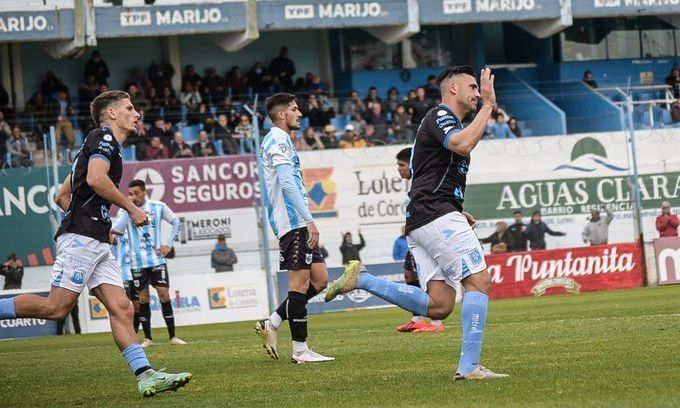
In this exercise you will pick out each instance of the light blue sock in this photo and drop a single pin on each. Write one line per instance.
(7, 308)
(136, 358)
(407, 297)
(473, 317)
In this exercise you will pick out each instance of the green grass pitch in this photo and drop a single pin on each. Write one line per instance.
(613, 349)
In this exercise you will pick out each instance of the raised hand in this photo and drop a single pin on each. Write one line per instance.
(486, 89)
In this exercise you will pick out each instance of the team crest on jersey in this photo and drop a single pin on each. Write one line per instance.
(463, 168)
(108, 138)
(442, 112)
(283, 148)
(475, 257)
(78, 278)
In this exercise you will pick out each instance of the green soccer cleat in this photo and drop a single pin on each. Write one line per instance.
(151, 382)
(347, 282)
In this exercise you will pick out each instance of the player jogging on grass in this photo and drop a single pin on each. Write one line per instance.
(293, 225)
(443, 244)
(147, 257)
(83, 252)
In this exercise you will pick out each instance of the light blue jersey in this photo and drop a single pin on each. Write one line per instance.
(122, 254)
(285, 195)
(145, 241)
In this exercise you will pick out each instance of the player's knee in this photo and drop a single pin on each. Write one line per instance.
(321, 283)
(479, 282)
(58, 312)
(121, 309)
(164, 297)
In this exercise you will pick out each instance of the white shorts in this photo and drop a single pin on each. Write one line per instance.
(84, 261)
(446, 249)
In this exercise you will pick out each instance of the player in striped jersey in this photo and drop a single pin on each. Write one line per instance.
(121, 250)
(294, 226)
(147, 257)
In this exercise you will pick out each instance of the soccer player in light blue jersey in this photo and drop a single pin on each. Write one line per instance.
(147, 257)
(121, 251)
(292, 223)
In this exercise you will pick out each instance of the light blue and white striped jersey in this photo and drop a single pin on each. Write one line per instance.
(122, 254)
(146, 240)
(277, 149)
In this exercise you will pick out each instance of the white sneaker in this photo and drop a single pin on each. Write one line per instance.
(479, 373)
(309, 356)
(147, 343)
(176, 341)
(269, 337)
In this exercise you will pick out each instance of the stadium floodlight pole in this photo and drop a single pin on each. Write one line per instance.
(271, 283)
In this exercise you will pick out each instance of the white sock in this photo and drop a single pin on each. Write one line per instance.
(416, 319)
(275, 320)
(299, 346)
(436, 322)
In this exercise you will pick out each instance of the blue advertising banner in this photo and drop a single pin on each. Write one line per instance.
(280, 15)
(609, 8)
(358, 299)
(469, 11)
(19, 328)
(38, 25)
(193, 18)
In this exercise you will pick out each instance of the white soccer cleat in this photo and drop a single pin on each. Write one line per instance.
(480, 373)
(269, 337)
(147, 343)
(309, 356)
(176, 341)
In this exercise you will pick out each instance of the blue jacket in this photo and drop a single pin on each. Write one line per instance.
(400, 249)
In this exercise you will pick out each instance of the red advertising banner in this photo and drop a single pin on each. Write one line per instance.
(215, 183)
(568, 270)
(667, 255)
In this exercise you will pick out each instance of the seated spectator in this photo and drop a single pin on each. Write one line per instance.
(237, 82)
(203, 147)
(51, 85)
(223, 258)
(514, 127)
(354, 104)
(191, 76)
(5, 132)
(392, 102)
(223, 132)
(170, 105)
(97, 67)
(142, 81)
(243, 133)
(259, 80)
(179, 149)
(317, 86)
(588, 79)
(419, 106)
(156, 150)
(432, 92)
(59, 111)
(351, 139)
(141, 104)
(673, 80)
(314, 111)
(161, 128)
(87, 91)
(675, 112)
(210, 84)
(36, 108)
(160, 75)
(500, 240)
(357, 120)
(328, 138)
(377, 118)
(18, 149)
(228, 110)
(402, 125)
(372, 97)
(282, 70)
(370, 136)
(13, 273)
(190, 98)
(205, 118)
(400, 247)
(309, 141)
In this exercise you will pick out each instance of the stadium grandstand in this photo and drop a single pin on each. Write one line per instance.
(574, 183)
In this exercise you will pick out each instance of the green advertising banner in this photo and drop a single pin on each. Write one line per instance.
(27, 215)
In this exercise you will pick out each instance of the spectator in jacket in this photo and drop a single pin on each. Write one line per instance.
(518, 234)
(329, 139)
(675, 112)
(13, 273)
(5, 136)
(596, 232)
(97, 67)
(673, 80)
(667, 223)
(309, 141)
(51, 85)
(500, 239)
(588, 79)
(400, 248)
(351, 139)
(536, 231)
(223, 258)
(354, 104)
(350, 250)
(17, 147)
(223, 132)
(179, 149)
(156, 150)
(203, 147)
(60, 110)
(282, 69)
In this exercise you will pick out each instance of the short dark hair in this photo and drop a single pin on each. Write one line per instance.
(537, 212)
(517, 212)
(137, 183)
(276, 101)
(404, 154)
(448, 72)
(103, 101)
(12, 257)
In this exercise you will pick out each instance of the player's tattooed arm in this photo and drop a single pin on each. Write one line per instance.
(63, 198)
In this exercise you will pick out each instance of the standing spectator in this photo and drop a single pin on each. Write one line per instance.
(5, 129)
(13, 273)
(156, 150)
(282, 69)
(51, 85)
(498, 126)
(75, 319)
(60, 110)
(223, 258)
(675, 112)
(354, 104)
(536, 231)
(518, 234)
(419, 106)
(432, 92)
(190, 98)
(596, 232)
(170, 105)
(673, 80)
(237, 82)
(87, 91)
(203, 147)
(351, 139)
(328, 138)
(309, 141)
(500, 239)
(244, 132)
(142, 82)
(667, 223)
(17, 147)
(179, 149)
(191, 76)
(258, 79)
(141, 104)
(160, 75)
(37, 108)
(97, 67)
(223, 132)
(400, 247)
(588, 79)
(350, 250)
(514, 127)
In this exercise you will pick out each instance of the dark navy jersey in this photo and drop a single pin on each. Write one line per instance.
(88, 214)
(438, 174)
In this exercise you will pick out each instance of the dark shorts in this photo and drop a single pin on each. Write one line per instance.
(295, 253)
(409, 262)
(130, 290)
(156, 276)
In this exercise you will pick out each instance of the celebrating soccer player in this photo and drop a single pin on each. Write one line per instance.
(294, 226)
(445, 247)
(83, 252)
(147, 257)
